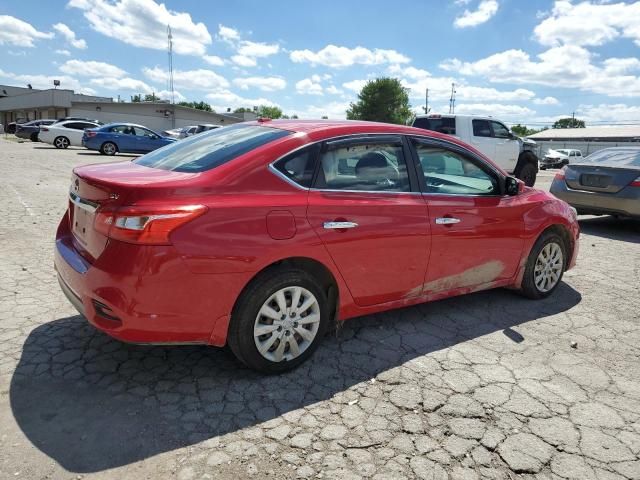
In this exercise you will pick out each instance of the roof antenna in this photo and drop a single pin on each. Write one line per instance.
(170, 50)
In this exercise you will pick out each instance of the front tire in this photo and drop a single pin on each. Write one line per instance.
(545, 266)
(528, 174)
(108, 148)
(278, 321)
(61, 142)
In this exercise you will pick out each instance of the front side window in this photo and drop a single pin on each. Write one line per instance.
(209, 150)
(481, 128)
(366, 166)
(123, 129)
(299, 166)
(450, 173)
(143, 132)
(499, 130)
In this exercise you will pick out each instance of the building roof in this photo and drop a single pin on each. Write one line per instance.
(589, 133)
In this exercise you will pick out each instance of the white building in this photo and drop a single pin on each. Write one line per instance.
(23, 104)
(587, 140)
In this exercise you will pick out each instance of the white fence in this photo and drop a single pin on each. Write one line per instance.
(585, 147)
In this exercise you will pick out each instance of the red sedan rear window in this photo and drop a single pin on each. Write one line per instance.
(207, 150)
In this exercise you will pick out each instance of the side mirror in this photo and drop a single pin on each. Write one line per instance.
(512, 186)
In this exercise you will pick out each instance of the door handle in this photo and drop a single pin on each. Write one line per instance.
(339, 225)
(447, 221)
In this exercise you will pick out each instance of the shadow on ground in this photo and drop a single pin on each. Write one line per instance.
(92, 403)
(622, 229)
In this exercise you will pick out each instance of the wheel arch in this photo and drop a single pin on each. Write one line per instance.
(112, 142)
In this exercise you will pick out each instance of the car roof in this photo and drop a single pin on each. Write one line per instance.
(435, 116)
(317, 129)
(124, 124)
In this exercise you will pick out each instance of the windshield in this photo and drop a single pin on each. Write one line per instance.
(615, 157)
(208, 150)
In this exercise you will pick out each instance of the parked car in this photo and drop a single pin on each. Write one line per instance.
(30, 130)
(205, 127)
(560, 157)
(181, 132)
(124, 138)
(260, 235)
(11, 126)
(66, 133)
(606, 182)
(492, 138)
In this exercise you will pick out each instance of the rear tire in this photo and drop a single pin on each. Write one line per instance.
(528, 174)
(296, 320)
(545, 266)
(108, 148)
(34, 137)
(61, 142)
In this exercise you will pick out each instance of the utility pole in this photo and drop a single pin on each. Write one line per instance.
(452, 100)
(170, 49)
(426, 101)
(573, 119)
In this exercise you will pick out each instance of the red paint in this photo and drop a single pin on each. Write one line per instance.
(184, 289)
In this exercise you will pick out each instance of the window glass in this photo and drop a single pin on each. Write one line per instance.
(443, 124)
(481, 128)
(208, 150)
(365, 166)
(451, 173)
(299, 166)
(143, 132)
(615, 157)
(499, 130)
(120, 129)
(72, 125)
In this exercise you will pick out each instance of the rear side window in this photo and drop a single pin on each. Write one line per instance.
(442, 125)
(208, 150)
(299, 166)
(481, 128)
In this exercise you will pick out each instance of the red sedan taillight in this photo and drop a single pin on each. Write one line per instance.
(90, 134)
(44, 129)
(144, 225)
(635, 183)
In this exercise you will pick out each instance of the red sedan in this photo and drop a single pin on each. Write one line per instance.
(262, 234)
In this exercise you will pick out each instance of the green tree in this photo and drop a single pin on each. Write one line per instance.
(243, 110)
(569, 122)
(324, 117)
(136, 98)
(265, 111)
(382, 100)
(197, 105)
(523, 130)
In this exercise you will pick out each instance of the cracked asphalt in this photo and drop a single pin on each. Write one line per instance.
(489, 385)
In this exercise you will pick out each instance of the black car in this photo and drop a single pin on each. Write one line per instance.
(30, 130)
(11, 127)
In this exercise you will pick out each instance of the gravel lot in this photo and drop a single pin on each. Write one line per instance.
(482, 386)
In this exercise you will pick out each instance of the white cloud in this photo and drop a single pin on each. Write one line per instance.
(567, 66)
(308, 86)
(486, 9)
(91, 69)
(618, 112)
(266, 84)
(14, 31)
(213, 60)
(70, 36)
(339, 57)
(228, 34)
(46, 81)
(333, 90)
(200, 79)
(223, 99)
(143, 23)
(249, 52)
(66, 53)
(546, 101)
(166, 95)
(122, 83)
(589, 24)
(495, 109)
(355, 85)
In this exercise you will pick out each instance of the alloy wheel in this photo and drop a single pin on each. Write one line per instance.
(287, 324)
(548, 268)
(62, 142)
(109, 149)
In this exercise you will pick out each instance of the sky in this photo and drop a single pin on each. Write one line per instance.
(528, 62)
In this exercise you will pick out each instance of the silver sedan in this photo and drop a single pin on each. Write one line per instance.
(606, 182)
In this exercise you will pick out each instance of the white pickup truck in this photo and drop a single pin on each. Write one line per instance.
(492, 138)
